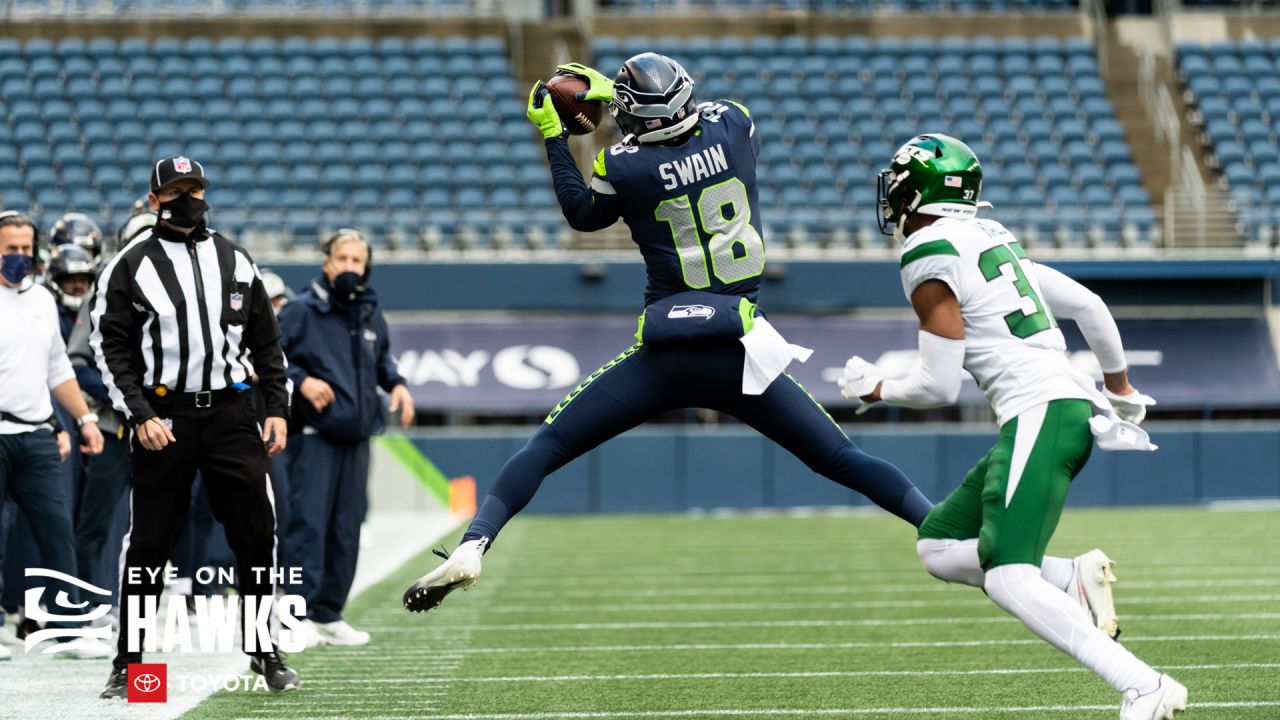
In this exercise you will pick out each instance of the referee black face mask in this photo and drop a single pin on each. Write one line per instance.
(186, 210)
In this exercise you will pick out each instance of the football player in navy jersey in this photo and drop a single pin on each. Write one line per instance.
(684, 181)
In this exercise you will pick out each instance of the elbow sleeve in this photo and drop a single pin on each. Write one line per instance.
(936, 382)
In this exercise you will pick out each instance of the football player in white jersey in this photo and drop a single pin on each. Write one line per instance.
(986, 308)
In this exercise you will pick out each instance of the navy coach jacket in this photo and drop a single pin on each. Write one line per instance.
(348, 347)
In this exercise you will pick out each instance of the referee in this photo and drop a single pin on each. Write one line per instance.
(180, 323)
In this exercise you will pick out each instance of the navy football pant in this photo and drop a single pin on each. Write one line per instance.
(644, 381)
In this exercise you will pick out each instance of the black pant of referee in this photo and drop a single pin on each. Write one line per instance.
(180, 323)
(216, 433)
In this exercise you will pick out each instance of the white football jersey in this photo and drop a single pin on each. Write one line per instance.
(1012, 344)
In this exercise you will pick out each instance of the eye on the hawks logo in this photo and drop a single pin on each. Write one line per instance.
(182, 165)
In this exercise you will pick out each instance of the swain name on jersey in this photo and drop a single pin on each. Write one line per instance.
(698, 166)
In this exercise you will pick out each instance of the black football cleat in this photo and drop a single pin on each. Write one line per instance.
(271, 665)
(117, 684)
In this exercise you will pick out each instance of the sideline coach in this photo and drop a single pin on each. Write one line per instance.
(180, 323)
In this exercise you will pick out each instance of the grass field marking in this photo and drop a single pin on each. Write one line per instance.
(929, 585)
(715, 647)
(798, 712)
(517, 583)
(724, 624)
(776, 675)
(976, 601)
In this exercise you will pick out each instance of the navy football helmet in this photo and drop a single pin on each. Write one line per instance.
(68, 260)
(653, 98)
(77, 229)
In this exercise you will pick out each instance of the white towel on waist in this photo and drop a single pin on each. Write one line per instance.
(768, 354)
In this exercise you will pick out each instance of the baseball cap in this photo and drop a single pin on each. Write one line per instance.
(173, 169)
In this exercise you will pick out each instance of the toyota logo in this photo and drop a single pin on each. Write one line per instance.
(146, 683)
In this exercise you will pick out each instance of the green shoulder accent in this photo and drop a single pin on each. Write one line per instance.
(598, 169)
(640, 327)
(936, 247)
(747, 311)
(1018, 252)
(740, 106)
(418, 465)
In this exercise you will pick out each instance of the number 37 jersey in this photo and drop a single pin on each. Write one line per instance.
(1012, 344)
(693, 208)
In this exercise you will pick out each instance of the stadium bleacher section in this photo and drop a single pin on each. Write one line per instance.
(1233, 91)
(831, 111)
(245, 8)
(305, 135)
(299, 135)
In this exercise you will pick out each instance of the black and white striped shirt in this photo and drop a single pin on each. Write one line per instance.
(186, 313)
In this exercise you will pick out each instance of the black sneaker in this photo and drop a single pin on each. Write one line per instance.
(27, 626)
(117, 684)
(271, 665)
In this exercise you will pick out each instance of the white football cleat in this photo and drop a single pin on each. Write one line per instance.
(459, 570)
(1091, 587)
(341, 633)
(1167, 700)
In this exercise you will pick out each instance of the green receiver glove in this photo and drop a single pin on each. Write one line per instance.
(601, 87)
(543, 114)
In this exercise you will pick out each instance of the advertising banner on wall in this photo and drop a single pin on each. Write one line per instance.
(528, 364)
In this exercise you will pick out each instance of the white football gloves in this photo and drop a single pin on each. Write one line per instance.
(1131, 407)
(859, 378)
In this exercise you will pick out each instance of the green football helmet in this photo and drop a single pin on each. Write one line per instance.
(932, 174)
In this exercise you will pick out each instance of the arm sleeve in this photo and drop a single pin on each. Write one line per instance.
(1069, 299)
(113, 323)
(290, 320)
(262, 337)
(936, 382)
(388, 374)
(586, 209)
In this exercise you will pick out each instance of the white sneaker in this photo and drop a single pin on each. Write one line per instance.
(1091, 587)
(5, 653)
(8, 639)
(83, 649)
(459, 570)
(1166, 701)
(340, 633)
(312, 635)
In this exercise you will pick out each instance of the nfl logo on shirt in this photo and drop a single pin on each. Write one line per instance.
(182, 165)
(236, 301)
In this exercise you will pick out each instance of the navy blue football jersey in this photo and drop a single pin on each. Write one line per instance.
(693, 208)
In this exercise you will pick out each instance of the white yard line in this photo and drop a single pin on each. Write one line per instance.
(785, 712)
(929, 586)
(791, 647)
(826, 623)
(977, 601)
(774, 675)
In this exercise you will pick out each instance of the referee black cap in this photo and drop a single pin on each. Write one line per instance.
(173, 169)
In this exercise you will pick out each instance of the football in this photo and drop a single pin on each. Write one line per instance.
(580, 116)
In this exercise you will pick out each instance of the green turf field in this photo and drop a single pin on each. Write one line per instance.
(763, 617)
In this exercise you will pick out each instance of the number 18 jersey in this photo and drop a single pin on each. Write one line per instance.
(1012, 344)
(693, 207)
